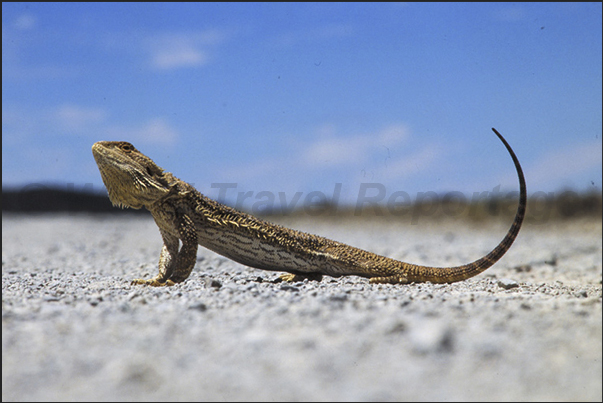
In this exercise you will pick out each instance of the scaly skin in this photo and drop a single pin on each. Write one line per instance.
(183, 214)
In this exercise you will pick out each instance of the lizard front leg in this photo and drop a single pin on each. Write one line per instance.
(175, 266)
(167, 261)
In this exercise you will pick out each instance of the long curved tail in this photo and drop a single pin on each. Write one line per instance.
(452, 274)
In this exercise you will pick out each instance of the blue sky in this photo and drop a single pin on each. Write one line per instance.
(293, 98)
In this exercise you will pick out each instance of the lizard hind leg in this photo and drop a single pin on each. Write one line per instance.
(294, 278)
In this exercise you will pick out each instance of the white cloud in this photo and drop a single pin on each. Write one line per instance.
(25, 22)
(179, 55)
(336, 150)
(418, 161)
(20, 124)
(178, 50)
(393, 134)
(23, 124)
(157, 130)
(154, 131)
(328, 152)
(74, 117)
(559, 167)
(18, 61)
(332, 149)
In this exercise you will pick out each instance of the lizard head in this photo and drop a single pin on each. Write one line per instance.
(131, 178)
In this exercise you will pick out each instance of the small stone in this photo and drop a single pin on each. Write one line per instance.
(198, 306)
(338, 297)
(133, 295)
(288, 287)
(507, 283)
(581, 294)
(399, 327)
(524, 268)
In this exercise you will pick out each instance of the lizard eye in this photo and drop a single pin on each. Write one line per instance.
(126, 147)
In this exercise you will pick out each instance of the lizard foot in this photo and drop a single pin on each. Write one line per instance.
(152, 282)
(293, 278)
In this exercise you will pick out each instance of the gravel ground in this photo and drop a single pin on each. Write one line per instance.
(73, 328)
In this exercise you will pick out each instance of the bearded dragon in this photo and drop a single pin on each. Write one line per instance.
(185, 215)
